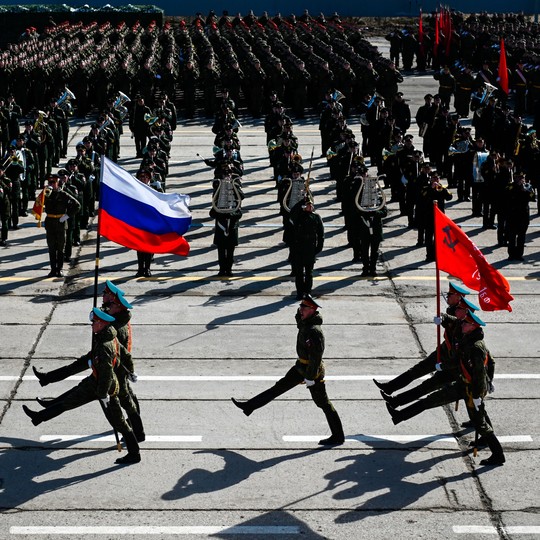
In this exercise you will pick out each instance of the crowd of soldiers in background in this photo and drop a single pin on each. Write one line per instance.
(269, 64)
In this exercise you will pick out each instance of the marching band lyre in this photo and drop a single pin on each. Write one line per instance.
(370, 196)
(227, 197)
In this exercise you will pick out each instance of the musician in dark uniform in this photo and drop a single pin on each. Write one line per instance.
(425, 217)
(308, 240)
(138, 125)
(227, 213)
(518, 196)
(308, 369)
(465, 84)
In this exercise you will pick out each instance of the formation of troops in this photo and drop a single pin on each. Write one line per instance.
(149, 78)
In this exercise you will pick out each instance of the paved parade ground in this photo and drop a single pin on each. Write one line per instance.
(208, 471)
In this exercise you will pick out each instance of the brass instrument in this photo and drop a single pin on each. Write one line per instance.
(119, 106)
(370, 196)
(105, 125)
(227, 197)
(12, 158)
(150, 120)
(38, 124)
(64, 101)
(479, 101)
(460, 147)
(478, 161)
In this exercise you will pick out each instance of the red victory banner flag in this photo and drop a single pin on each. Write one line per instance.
(503, 70)
(456, 254)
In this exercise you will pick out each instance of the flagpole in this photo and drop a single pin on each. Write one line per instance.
(98, 241)
(96, 276)
(438, 284)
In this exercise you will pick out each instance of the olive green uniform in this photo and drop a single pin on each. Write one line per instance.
(309, 366)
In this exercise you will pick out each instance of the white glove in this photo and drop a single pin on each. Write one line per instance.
(437, 320)
(477, 403)
(64, 218)
(309, 383)
(491, 387)
(438, 366)
(133, 377)
(105, 401)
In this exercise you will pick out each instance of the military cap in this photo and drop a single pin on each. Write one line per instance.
(28, 123)
(144, 172)
(72, 162)
(87, 139)
(63, 172)
(52, 178)
(471, 318)
(425, 164)
(428, 96)
(400, 94)
(121, 299)
(109, 285)
(80, 144)
(467, 304)
(408, 137)
(456, 287)
(296, 167)
(308, 301)
(98, 314)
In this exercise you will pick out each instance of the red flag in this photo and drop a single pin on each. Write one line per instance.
(421, 34)
(503, 70)
(437, 36)
(448, 28)
(456, 254)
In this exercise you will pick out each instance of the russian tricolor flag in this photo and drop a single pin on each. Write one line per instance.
(136, 216)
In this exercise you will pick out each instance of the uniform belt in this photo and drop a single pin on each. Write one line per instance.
(536, 86)
(463, 88)
(446, 86)
(303, 361)
(56, 216)
(520, 84)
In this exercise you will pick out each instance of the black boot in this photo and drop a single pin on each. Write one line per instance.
(43, 378)
(407, 413)
(338, 437)
(401, 381)
(133, 455)
(53, 376)
(389, 399)
(50, 402)
(243, 405)
(44, 414)
(137, 426)
(497, 455)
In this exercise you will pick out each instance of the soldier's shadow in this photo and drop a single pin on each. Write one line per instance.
(25, 467)
(236, 469)
(394, 476)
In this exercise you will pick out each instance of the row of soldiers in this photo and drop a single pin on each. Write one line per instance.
(461, 368)
(112, 370)
(250, 60)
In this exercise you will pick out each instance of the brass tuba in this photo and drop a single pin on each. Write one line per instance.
(227, 197)
(370, 196)
(64, 101)
(119, 104)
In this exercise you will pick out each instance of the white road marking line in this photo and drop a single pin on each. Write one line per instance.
(222, 378)
(157, 530)
(110, 438)
(488, 529)
(402, 438)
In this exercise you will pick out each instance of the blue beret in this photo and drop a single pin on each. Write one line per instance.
(102, 315)
(122, 300)
(468, 304)
(474, 319)
(458, 288)
(113, 288)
